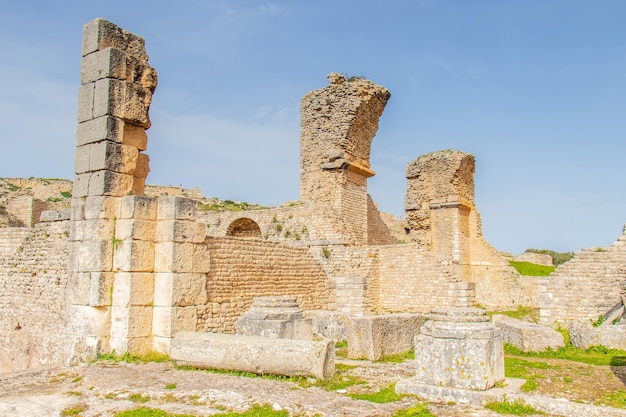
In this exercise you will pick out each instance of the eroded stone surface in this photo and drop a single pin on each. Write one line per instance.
(526, 336)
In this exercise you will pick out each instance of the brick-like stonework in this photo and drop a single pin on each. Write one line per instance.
(585, 287)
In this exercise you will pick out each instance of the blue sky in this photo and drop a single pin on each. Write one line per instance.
(535, 89)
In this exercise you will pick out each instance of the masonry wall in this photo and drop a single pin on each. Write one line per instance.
(585, 287)
(33, 280)
(242, 269)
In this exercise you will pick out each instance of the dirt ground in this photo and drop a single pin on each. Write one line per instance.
(104, 388)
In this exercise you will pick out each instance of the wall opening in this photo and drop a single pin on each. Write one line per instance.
(244, 227)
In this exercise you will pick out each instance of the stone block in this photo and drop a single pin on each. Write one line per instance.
(142, 167)
(134, 256)
(78, 285)
(127, 101)
(131, 321)
(275, 317)
(101, 289)
(102, 128)
(138, 207)
(584, 335)
(86, 95)
(329, 324)
(94, 229)
(95, 255)
(460, 348)
(139, 186)
(180, 231)
(255, 354)
(133, 289)
(80, 186)
(105, 63)
(126, 229)
(48, 216)
(112, 156)
(101, 207)
(134, 345)
(201, 263)
(374, 337)
(135, 136)
(528, 337)
(109, 183)
(177, 208)
(78, 208)
(99, 34)
(173, 257)
(167, 321)
(179, 290)
(81, 159)
(87, 321)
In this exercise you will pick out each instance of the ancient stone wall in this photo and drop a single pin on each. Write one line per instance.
(242, 269)
(33, 279)
(585, 287)
(11, 239)
(26, 210)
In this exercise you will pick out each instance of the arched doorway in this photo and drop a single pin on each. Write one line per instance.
(244, 227)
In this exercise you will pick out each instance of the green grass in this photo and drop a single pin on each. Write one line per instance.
(74, 410)
(148, 412)
(130, 358)
(530, 269)
(170, 386)
(616, 399)
(256, 411)
(520, 368)
(516, 408)
(596, 355)
(418, 410)
(385, 395)
(138, 398)
(520, 313)
(399, 357)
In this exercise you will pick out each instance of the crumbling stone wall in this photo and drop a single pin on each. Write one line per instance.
(242, 269)
(33, 279)
(586, 286)
(338, 123)
(26, 210)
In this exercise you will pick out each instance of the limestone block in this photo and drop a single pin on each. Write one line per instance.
(86, 95)
(528, 337)
(275, 317)
(138, 207)
(177, 208)
(134, 229)
(131, 321)
(329, 324)
(112, 156)
(105, 63)
(167, 321)
(128, 101)
(100, 34)
(102, 128)
(584, 335)
(100, 289)
(95, 255)
(139, 185)
(459, 347)
(48, 216)
(201, 263)
(173, 257)
(134, 256)
(180, 231)
(179, 290)
(161, 344)
(78, 285)
(142, 166)
(93, 229)
(134, 345)
(109, 183)
(78, 208)
(255, 354)
(81, 159)
(374, 337)
(87, 321)
(101, 207)
(133, 289)
(80, 186)
(135, 136)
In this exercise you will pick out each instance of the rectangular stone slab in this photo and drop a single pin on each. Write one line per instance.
(254, 354)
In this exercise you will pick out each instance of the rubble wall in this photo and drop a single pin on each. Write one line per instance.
(585, 287)
(33, 281)
(242, 269)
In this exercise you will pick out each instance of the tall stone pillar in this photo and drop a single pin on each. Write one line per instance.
(105, 246)
(338, 123)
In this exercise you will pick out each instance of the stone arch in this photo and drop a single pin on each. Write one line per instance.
(244, 227)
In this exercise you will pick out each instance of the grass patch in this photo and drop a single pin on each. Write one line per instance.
(596, 355)
(399, 357)
(74, 410)
(148, 412)
(520, 368)
(385, 395)
(129, 358)
(533, 270)
(520, 313)
(616, 399)
(170, 386)
(418, 410)
(138, 398)
(256, 411)
(516, 408)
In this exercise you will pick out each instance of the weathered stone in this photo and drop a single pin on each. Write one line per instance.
(102, 128)
(127, 101)
(585, 335)
(180, 231)
(177, 208)
(167, 321)
(459, 348)
(180, 290)
(99, 34)
(105, 63)
(86, 95)
(100, 289)
(275, 317)
(535, 258)
(55, 215)
(255, 354)
(329, 324)
(528, 337)
(134, 256)
(138, 207)
(135, 229)
(374, 337)
(173, 257)
(133, 289)
(109, 183)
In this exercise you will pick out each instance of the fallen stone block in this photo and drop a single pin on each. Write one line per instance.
(526, 336)
(254, 354)
(55, 215)
(276, 317)
(329, 324)
(584, 335)
(374, 337)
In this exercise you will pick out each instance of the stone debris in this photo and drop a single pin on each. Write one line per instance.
(526, 336)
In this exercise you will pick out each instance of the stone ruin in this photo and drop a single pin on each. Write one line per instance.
(128, 272)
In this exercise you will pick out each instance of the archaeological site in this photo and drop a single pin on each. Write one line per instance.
(120, 266)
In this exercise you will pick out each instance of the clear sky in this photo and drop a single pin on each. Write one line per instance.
(535, 89)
